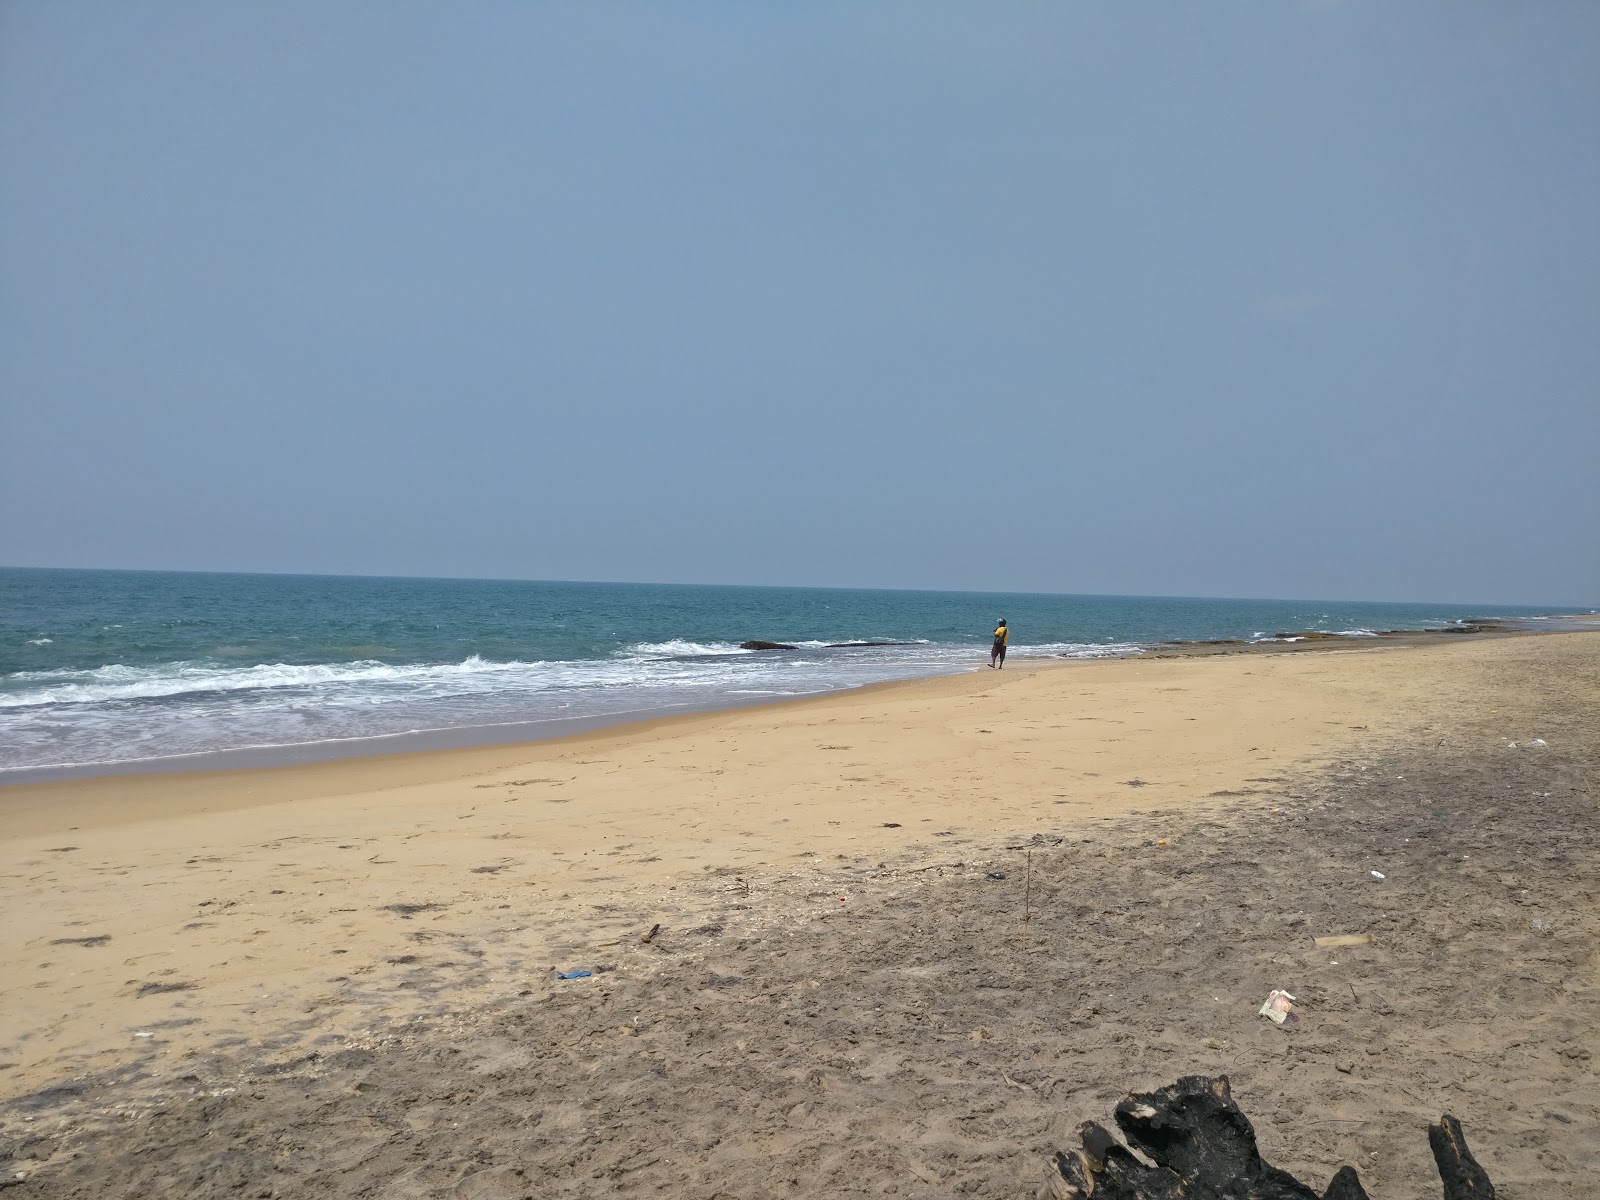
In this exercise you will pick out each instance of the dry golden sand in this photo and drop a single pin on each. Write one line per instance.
(216, 910)
(909, 938)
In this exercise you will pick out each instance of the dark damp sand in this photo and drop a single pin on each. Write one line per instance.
(913, 1025)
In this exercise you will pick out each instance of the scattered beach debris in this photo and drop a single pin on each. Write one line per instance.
(1201, 1144)
(573, 974)
(98, 939)
(1525, 745)
(406, 911)
(997, 874)
(1279, 1009)
(651, 936)
(143, 1033)
(1379, 875)
(161, 989)
(1543, 925)
(1343, 939)
(1136, 783)
(891, 824)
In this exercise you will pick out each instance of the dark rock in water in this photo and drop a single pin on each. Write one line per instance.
(757, 644)
(1204, 1148)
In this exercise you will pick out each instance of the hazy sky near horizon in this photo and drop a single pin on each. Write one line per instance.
(1240, 299)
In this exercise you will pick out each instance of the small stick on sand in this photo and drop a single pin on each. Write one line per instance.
(1027, 900)
(649, 937)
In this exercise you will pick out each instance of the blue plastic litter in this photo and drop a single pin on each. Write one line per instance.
(573, 974)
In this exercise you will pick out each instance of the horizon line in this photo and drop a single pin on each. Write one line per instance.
(1554, 609)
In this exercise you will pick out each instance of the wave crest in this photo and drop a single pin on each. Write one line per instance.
(188, 678)
(681, 648)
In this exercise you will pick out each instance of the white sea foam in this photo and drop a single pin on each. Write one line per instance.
(127, 714)
(40, 641)
(184, 678)
(1078, 650)
(680, 648)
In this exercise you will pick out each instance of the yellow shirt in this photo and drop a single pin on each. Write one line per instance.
(1002, 635)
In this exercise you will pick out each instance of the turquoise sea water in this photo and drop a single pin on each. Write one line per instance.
(103, 667)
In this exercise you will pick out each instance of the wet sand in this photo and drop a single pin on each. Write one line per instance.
(339, 979)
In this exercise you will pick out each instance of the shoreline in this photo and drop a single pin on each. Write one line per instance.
(509, 734)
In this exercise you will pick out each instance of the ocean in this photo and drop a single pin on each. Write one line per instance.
(164, 670)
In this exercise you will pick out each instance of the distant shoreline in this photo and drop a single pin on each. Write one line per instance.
(520, 733)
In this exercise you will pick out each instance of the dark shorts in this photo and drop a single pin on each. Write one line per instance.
(998, 648)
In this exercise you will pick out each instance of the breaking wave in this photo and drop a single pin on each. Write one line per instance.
(183, 678)
(680, 648)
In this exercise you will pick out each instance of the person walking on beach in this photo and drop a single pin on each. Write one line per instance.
(997, 652)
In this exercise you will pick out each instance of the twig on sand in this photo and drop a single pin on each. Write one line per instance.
(650, 937)
(637, 1163)
(1027, 900)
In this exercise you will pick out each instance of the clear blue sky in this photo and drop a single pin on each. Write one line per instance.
(1266, 299)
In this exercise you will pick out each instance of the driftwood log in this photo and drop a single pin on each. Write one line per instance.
(1204, 1148)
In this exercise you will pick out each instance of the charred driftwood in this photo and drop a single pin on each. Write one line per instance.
(1463, 1178)
(1204, 1148)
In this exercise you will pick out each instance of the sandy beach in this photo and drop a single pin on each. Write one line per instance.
(907, 937)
